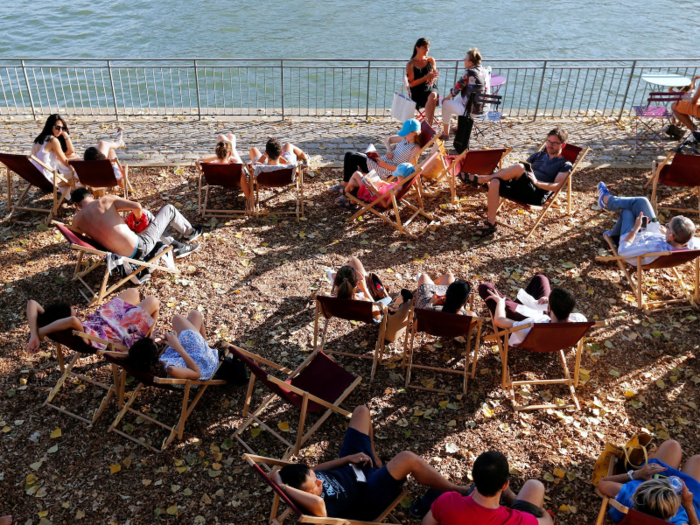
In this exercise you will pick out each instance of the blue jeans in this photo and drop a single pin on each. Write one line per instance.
(629, 208)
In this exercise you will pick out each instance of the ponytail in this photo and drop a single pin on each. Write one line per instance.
(345, 282)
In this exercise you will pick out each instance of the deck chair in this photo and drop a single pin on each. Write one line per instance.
(440, 324)
(677, 171)
(278, 177)
(225, 175)
(543, 338)
(391, 200)
(475, 161)
(317, 385)
(573, 154)
(99, 175)
(146, 379)
(351, 310)
(672, 259)
(86, 248)
(647, 114)
(277, 518)
(22, 166)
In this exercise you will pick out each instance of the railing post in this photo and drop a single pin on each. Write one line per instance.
(29, 91)
(539, 94)
(196, 83)
(282, 80)
(629, 83)
(369, 64)
(114, 93)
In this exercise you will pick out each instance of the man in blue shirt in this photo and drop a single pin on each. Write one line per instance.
(635, 240)
(530, 182)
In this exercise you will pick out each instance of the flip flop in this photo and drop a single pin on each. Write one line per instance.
(342, 202)
(487, 230)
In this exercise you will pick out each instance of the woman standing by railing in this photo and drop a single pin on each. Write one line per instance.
(422, 75)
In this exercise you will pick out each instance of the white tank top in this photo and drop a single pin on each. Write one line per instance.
(49, 158)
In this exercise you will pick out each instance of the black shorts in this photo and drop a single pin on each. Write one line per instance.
(523, 190)
(526, 506)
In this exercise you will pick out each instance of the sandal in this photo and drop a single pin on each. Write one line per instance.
(486, 230)
(342, 202)
(336, 189)
(468, 178)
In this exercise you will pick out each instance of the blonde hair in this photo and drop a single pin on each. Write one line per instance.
(474, 56)
(657, 498)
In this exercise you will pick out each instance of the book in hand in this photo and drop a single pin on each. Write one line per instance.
(369, 180)
(371, 152)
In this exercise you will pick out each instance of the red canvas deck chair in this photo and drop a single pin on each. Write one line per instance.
(543, 338)
(656, 108)
(318, 385)
(475, 161)
(184, 386)
(676, 171)
(428, 136)
(21, 165)
(87, 248)
(224, 175)
(293, 510)
(351, 310)
(99, 175)
(573, 154)
(391, 200)
(275, 177)
(440, 324)
(672, 260)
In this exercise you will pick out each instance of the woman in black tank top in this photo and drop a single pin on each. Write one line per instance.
(422, 75)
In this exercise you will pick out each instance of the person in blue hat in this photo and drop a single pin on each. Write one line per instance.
(402, 147)
(369, 187)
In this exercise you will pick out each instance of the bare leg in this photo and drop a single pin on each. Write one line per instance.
(5, 520)
(151, 305)
(532, 492)
(685, 119)
(446, 279)
(108, 147)
(406, 462)
(181, 323)
(511, 172)
(430, 107)
(254, 154)
(232, 139)
(692, 467)
(493, 200)
(130, 296)
(356, 265)
(670, 452)
(424, 278)
(197, 319)
(361, 421)
(354, 182)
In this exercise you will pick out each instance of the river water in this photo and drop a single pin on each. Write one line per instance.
(504, 29)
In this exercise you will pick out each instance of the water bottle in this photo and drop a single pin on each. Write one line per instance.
(676, 483)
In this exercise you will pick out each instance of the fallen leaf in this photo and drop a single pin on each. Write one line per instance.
(56, 433)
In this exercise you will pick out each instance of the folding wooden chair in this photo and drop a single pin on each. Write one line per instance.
(275, 177)
(318, 384)
(475, 161)
(87, 247)
(573, 154)
(646, 115)
(22, 166)
(446, 325)
(543, 338)
(677, 171)
(390, 201)
(428, 136)
(99, 175)
(672, 259)
(225, 175)
(277, 518)
(350, 310)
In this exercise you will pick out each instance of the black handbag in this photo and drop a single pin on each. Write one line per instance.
(465, 123)
(233, 371)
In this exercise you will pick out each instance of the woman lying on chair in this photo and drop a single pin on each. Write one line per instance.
(225, 151)
(368, 190)
(449, 295)
(651, 489)
(349, 282)
(123, 320)
(334, 489)
(188, 355)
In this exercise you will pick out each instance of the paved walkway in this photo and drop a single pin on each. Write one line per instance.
(184, 139)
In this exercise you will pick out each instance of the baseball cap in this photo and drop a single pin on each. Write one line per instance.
(409, 126)
(404, 169)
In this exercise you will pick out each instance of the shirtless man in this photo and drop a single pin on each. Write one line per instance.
(100, 219)
(275, 154)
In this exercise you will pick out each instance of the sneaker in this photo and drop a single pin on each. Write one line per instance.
(120, 138)
(197, 231)
(141, 277)
(185, 250)
(602, 191)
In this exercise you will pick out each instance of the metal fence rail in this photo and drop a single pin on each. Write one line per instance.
(320, 87)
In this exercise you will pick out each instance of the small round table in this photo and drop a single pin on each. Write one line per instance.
(666, 79)
(496, 82)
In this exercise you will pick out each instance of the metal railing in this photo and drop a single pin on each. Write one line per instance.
(311, 87)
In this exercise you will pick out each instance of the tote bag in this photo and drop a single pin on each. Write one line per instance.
(402, 108)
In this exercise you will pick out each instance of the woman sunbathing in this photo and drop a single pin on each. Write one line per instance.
(123, 320)
(225, 151)
(187, 357)
(448, 295)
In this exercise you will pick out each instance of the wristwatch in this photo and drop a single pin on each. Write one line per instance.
(630, 473)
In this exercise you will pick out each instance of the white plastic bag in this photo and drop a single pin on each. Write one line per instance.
(402, 108)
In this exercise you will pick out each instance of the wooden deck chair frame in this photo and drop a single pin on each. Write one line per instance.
(301, 438)
(277, 518)
(187, 407)
(98, 191)
(297, 187)
(413, 181)
(500, 337)
(204, 185)
(554, 196)
(656, 177)
(690, 299)
(378, 353)
(475, 323)
(57, 201)
(604, 505)
(85, 265)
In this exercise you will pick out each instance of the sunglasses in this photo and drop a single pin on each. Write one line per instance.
(59, 128)
(553, 143)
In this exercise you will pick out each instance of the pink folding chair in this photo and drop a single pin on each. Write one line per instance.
(656, 109)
